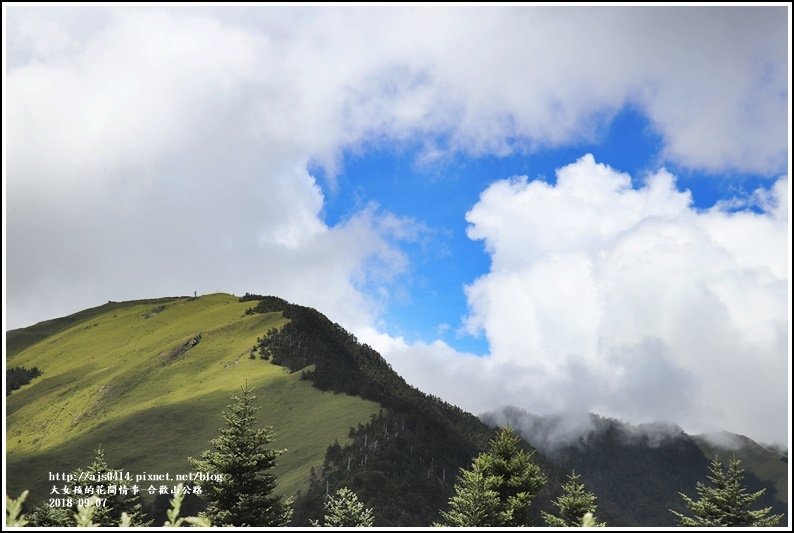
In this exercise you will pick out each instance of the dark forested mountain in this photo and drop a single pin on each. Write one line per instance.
(402, 463)
(637, 471)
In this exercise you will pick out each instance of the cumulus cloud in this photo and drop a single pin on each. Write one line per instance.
(161, 151)
(624, 301)
(485, 80)
(159, 157)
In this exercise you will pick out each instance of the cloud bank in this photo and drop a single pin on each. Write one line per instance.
(161, 151)
(624, 301)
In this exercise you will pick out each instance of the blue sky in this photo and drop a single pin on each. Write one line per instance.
(432, 303)
(593, 202)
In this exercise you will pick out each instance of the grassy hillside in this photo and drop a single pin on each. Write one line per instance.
(148, 380)
(19, 339)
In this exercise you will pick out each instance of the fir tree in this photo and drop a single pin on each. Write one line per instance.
(725, 502)
(344, 509)
(100, 478)
(507, 470)
(475, 502)
(242, 458)
(520, 479)
(574, 504)
(45, 516)
(99, 474)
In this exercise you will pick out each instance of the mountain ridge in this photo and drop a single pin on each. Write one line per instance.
(126, 374)
(655, 460)
(104, 382)
(396, 446)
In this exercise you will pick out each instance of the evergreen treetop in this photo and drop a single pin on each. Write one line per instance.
(725, 502)
(476, 501)
(242, 458)
(500, 486)
(520, 479)
(573, 505)
(344, 509)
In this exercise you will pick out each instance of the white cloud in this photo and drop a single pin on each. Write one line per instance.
(157, 151)
(489, 80)
(622, 301)
(166, 154)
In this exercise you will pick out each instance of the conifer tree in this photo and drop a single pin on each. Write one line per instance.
(507, 470)
(242, 458)
(520, 479)
(573, 505)
(475, 502)
(103, 482)
(725, 502)
(344, 509)
(45, 516)
(99, 474)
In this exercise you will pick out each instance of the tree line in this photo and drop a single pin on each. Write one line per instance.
(439, 438)
(18, 376)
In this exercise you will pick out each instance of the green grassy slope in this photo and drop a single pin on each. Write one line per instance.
(19, 339)
(119, 376)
